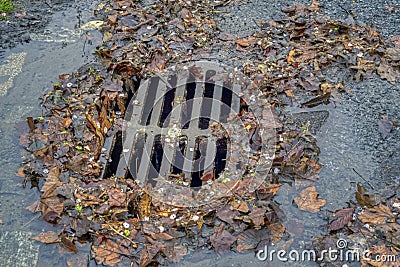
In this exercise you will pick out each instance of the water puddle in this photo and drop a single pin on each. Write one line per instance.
(26, 72)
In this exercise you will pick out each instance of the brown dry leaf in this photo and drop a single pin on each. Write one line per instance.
(382, 251)
(222, 240)
(175, 252)
(289, 93)
(240, 206)
(69, 244)
(377, 215)
(78, 261)
(248, 239)
(66, 122)
(225, 214)
(344, 216)
(257, 216)
(366, 199)
(245, 42)
(396, 40)
(277, 231)
(34, 207)
(290, 57)
(387, 72)
(21, 172)
(109, 253)
(144, 204)
(158, 62)
(314, 5)
(116, 197)
(391, 9)
(47, 237)
(309, 200)
(52, 182)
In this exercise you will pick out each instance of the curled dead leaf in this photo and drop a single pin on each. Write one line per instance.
(309, 200)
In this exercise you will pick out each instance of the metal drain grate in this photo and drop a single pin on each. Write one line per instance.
(160, 124)
(178, 132)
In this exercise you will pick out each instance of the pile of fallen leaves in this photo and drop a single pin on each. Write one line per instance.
(371, 224)
(67, 159)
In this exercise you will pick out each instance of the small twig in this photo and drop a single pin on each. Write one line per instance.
(364, 179)
(140, 25)
(118, 233)
(30, 221)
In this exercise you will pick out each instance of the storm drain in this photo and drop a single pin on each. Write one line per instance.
(189, 135)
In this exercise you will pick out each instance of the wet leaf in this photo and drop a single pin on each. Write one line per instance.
(385, 126)
(116, 197)
(277, 231)
(245, 42)
(225, 214)
(109, 253)
(365, 198)
(383, 252)
(240, 206)
(249, 239)
(344, 216)
(92, 25)
(222, 240)
(175, 253)
(377, 215)
(47, 237)
(69, 244)
(309, 200)
(257, 216)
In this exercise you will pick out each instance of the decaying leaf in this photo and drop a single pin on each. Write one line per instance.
(68, 244)
(222, 240)
(377, 215)
(175, 253)
(110, 253)
(365, 198)
(117, 197)
(343, 217)
(257, 216)
(47, 237)
(248, 239)
(375, 257)
(240, 206)
(277, 231)
(309, 200)
(245, 42)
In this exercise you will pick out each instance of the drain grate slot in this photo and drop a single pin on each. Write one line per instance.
(168, 103)
(156, 158)
(188, 105)
(199, 159)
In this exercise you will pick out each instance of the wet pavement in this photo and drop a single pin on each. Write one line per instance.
(27, 71)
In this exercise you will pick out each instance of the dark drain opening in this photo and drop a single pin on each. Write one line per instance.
(157, 154)
(168, 103)
(199, 158)
(136, 155)
(179, 156)
(220, 156)
(188, 105)
(115, 145)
